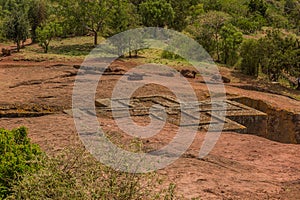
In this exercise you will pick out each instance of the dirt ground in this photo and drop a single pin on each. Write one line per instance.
(241, 166)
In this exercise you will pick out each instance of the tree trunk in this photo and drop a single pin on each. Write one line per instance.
(129, 51)
(217, 46)
(136, 53)
(33, 35)
(95, 38)
(18, 46)
(46, 48)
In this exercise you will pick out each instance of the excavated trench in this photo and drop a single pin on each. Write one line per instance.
(244, 115)
(278, 124)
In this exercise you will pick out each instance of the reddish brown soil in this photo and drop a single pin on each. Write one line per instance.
(240, 166)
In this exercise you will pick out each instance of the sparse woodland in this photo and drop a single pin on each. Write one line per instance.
(259, 37)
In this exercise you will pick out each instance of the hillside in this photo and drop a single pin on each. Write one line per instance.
(233, 95)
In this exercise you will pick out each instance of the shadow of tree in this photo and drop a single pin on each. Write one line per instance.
(72, 50)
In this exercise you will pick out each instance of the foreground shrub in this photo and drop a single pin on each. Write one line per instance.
(75, 174)
(18, 156)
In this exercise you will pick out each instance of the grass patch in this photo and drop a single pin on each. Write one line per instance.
(60, 50)
(75, 46)
(155, 56)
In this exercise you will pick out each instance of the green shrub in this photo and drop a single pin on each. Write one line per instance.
(27, 173)
(75, 174)
(250, 53)
(17, 157)
(169, 55)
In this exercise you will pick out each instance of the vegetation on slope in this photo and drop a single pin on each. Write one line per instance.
(222, 27)
(27, 173)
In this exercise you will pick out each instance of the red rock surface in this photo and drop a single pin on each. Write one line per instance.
(240, 166)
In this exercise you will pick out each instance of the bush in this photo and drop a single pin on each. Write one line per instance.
(274, 54)
(75, 174)
(250, 53)
(18, 156)
(247, 25)
(27, 173)
(169, 55)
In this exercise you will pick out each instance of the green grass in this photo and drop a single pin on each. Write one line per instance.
(60, 50)
(154, 56)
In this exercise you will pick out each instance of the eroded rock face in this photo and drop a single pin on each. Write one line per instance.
(280, 125)
(297, 128)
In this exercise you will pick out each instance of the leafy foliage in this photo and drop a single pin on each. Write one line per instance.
(274, 54)
(217, 25)
(206, 31)
(75, 174)
(231, 39)
(251, 57)
(16, 28)
(37, 14)
(158, 13)
(46, 33)
(18, 156)
(258, 6)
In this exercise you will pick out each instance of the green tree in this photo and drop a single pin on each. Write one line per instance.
(212, 5)
(280, 53)
(46, 33)
(194, 12)
(122, 17)
(92, 15)
(231, 39)
(16, 28)
(157, 13)
(95, 14)
(292, 9)
(258, 6)
(251, 56)
(69, 13)
(211, 23)
(37, 14)
(275, 54)
(182, 10)
(289, 6)
(246, 24)
(15, 5)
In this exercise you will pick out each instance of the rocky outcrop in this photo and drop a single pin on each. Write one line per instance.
(281, 125)
(6, 52)
(188, 73)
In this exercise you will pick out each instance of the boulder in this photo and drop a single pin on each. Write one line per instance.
(135, 77)
(188, 73)
(6, 52)
(225, 79)
(219, 78)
